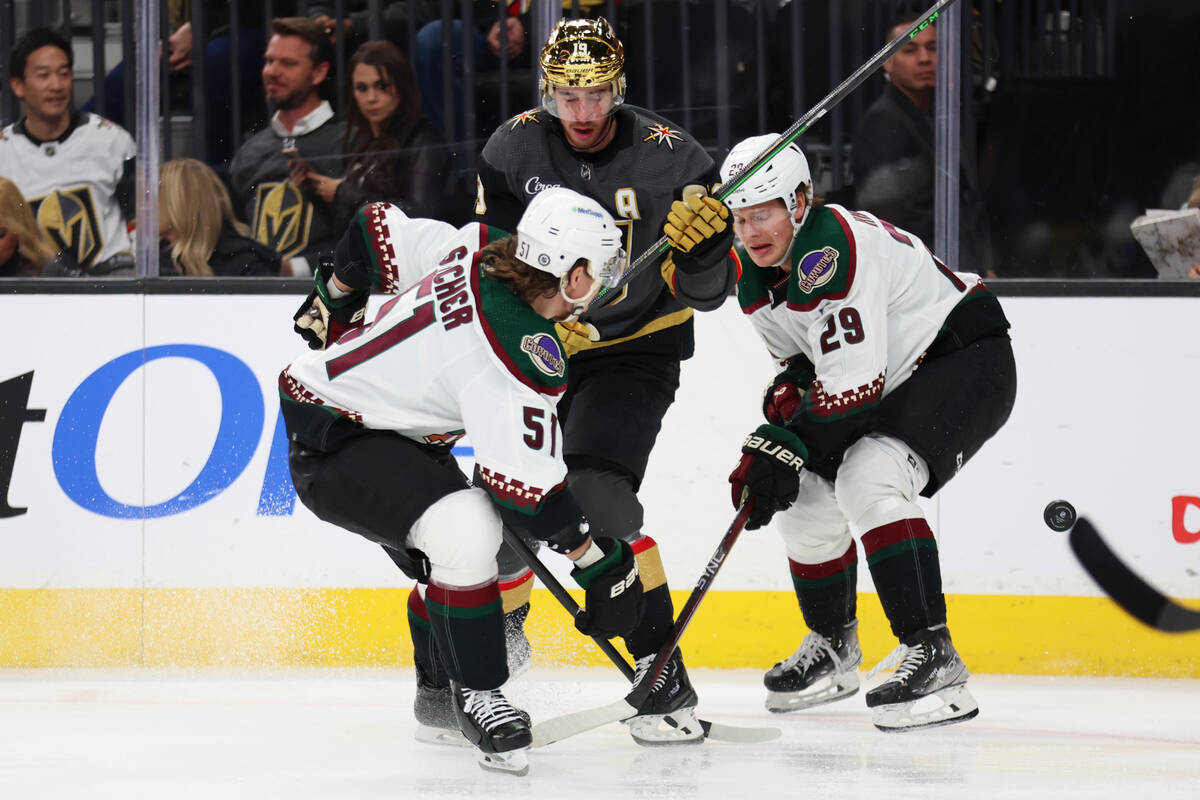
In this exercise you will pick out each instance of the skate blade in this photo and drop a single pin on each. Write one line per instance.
(824, 691)
(440, 736)
(513, 762)
(679, 727)
(944, 707)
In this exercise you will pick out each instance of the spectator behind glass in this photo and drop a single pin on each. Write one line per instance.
(25, 249)
(489, 45)
(397, 16)
(218, 76)
(299, 225)
(75, 169)
(395, 153)
(893, 157)
(201, 237)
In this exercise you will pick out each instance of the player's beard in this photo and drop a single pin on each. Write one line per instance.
(604, 132)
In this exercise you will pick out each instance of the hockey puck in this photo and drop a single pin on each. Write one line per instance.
(1059, 515)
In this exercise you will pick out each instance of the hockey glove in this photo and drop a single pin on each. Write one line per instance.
(699, 230)
(768, 474)
(614, 600)
(322, 319)
(576, 336)
(781, 400)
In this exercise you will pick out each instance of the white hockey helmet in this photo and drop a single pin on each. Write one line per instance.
(779, 178)
(561, 226)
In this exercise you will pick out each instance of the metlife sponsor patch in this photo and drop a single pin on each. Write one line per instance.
(545, 352)
(817, 268)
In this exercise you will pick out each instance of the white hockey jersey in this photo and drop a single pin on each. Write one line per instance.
(71, 185)
(452, 353)
(863, 302)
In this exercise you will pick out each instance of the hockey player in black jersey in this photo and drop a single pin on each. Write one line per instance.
(624, 354)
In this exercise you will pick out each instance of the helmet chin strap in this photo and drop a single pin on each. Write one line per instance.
(796, 226)
(577, 303)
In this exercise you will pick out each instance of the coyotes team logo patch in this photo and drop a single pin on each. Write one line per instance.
(660, 134)
(545, 352)
(817, 268)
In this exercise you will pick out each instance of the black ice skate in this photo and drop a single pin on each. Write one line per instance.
(822, 669)
(434, 709)
(669, 714)
(501, 731)
(927, 689)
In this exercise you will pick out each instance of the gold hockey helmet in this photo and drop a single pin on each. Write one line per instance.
(582, 53)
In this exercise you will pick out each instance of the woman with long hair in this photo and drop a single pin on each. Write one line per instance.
(395, 153)
(25, 249)
(196, 220)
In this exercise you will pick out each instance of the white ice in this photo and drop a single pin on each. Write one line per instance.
(298, 734)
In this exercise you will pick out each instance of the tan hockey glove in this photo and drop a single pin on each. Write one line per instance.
(699, 230)
(576, 336)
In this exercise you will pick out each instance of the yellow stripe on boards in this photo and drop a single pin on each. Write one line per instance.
(368, 627)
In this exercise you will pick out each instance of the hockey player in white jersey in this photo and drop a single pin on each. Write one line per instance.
(894, 371)
(468, 348)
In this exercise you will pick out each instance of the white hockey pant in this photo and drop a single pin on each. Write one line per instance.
(877, 483)
(460, 534)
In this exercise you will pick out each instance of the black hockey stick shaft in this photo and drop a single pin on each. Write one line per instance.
(1125, 587)
(642, 690)
(790, 135)
(560, 593)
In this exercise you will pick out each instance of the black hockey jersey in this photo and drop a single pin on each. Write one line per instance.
(280, 215)
(635, 178)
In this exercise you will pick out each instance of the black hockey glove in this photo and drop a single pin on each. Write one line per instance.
(781, 400)
(321, 319)
(699, 229)
(768, 474)
(613, 592)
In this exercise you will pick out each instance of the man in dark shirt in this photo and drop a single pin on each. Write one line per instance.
(894, 158)
(303, 130)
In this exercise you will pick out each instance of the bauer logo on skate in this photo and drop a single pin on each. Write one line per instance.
(543, 350)
(818, 268)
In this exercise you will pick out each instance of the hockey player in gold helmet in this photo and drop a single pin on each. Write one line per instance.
(583, 80)
(625, 352)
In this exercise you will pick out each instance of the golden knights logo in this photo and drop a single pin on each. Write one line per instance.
(661, 133)
(69, 217)
(282, 217)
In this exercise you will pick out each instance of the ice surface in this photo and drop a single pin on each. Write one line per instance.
(349, 734)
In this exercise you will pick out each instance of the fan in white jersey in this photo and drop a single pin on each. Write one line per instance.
(466, 347)
(74, 169)
(895, 370)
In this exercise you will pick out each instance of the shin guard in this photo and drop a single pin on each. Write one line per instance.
(903, 559)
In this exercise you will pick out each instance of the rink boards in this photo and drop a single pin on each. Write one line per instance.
(148, 517)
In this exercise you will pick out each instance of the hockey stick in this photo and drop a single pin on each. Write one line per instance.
(1129, 591)
(787, 137)
(552, 730)
(713, 729)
